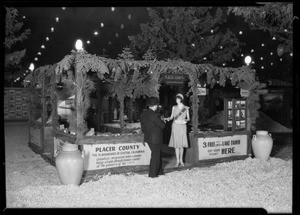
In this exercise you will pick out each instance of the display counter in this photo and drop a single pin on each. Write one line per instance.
(217, 146)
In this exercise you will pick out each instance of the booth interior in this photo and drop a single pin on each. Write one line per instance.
(97, 102)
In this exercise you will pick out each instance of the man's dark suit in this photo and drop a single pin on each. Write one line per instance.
(152, 127)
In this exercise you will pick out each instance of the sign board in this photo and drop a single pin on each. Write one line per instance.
(221, 147)
(244, 93)
(174, 79)
(202, 91)
(103, 156)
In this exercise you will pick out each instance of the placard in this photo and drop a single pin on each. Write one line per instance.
(103, 156)
(174, 79)
(220, 147)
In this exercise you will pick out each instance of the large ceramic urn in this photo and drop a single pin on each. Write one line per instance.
(69, 164)
(262, 144)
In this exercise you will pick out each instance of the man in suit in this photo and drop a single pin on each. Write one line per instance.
(152, 127)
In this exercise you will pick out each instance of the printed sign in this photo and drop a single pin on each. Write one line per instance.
(103, 156)
(244, 93)
(174, 79)
(220, 147)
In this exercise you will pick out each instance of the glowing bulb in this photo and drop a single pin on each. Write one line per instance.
(78, 45)
(122, 26)
(291, 54)
(233, 60)
(31, 67)
(39, 53)
(272, 64)
(240, 32)
(248, 60)
(211, 31)
(242, 55)
(193, 44)
(204, 58)
(112, 9)
(109, 43)
(262, 67)
(47, 38)
(57, 19)
(36, 59)
(52, 29)
(262, 44)
(63, 8)
(271, 53)
(88, 42)
(280, 59)
(129, 16)
(274, 38)
(102, 24)
(42, 46)
(252, 50)
(261, 58)
(285, 30)
(224, 64)
(24, 17)
(96, 33)
(117, 35)
(221, 47)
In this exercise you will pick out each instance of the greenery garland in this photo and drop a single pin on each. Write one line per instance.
(133, 79)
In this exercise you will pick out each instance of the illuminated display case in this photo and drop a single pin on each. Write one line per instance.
(235, 114)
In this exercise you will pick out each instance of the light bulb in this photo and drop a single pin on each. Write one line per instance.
(78, 45)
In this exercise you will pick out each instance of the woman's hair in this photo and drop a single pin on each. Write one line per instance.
(180, 98)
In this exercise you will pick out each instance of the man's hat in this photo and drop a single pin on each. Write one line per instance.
(153, 101)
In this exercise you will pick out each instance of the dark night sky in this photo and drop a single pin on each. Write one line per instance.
(82, 22)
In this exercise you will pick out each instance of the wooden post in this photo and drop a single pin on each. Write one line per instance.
(43, 113)
(78, 99)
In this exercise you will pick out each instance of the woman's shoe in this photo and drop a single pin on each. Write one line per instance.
(177, 165)
(182, 164)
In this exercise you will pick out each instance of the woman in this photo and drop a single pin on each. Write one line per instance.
(178, 139)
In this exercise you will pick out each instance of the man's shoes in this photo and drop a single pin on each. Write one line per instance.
(162, 172)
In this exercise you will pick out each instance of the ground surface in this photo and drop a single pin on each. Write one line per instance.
(32, 182)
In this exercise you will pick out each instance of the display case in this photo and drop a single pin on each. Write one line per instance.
(235, 114)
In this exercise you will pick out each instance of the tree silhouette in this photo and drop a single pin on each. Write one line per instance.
(12, 36)
(189, 33)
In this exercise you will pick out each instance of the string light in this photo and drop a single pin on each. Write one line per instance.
(271, 53)
(117, 35)
(193, 44)
(223, 64)
(274, 38)
(280, 59)
(36, 59)
(285, 30)
(102, 24)
(233, 60)
(221, 47)
(39, 53)
(262, 67)
(109, 43)
(88, 42)
(52, 29)
(204, 58)
(96, 33)
(47, 38)
(129, 16)
(242, 55)
(211, 31)
(122, 26)
(272, 64)
(240, 33)
(57, 19)
(291, 54)
(252, 50)
(42, 46)
(261, 58)
(112, 9)
(24, 17)
(63, 8)
(253, 62)
(262, 44)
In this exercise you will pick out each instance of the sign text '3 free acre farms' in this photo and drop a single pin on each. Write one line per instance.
(103, 156)
(220, 147)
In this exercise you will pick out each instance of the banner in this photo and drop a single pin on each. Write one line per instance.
(103, 156)
(220, 147)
